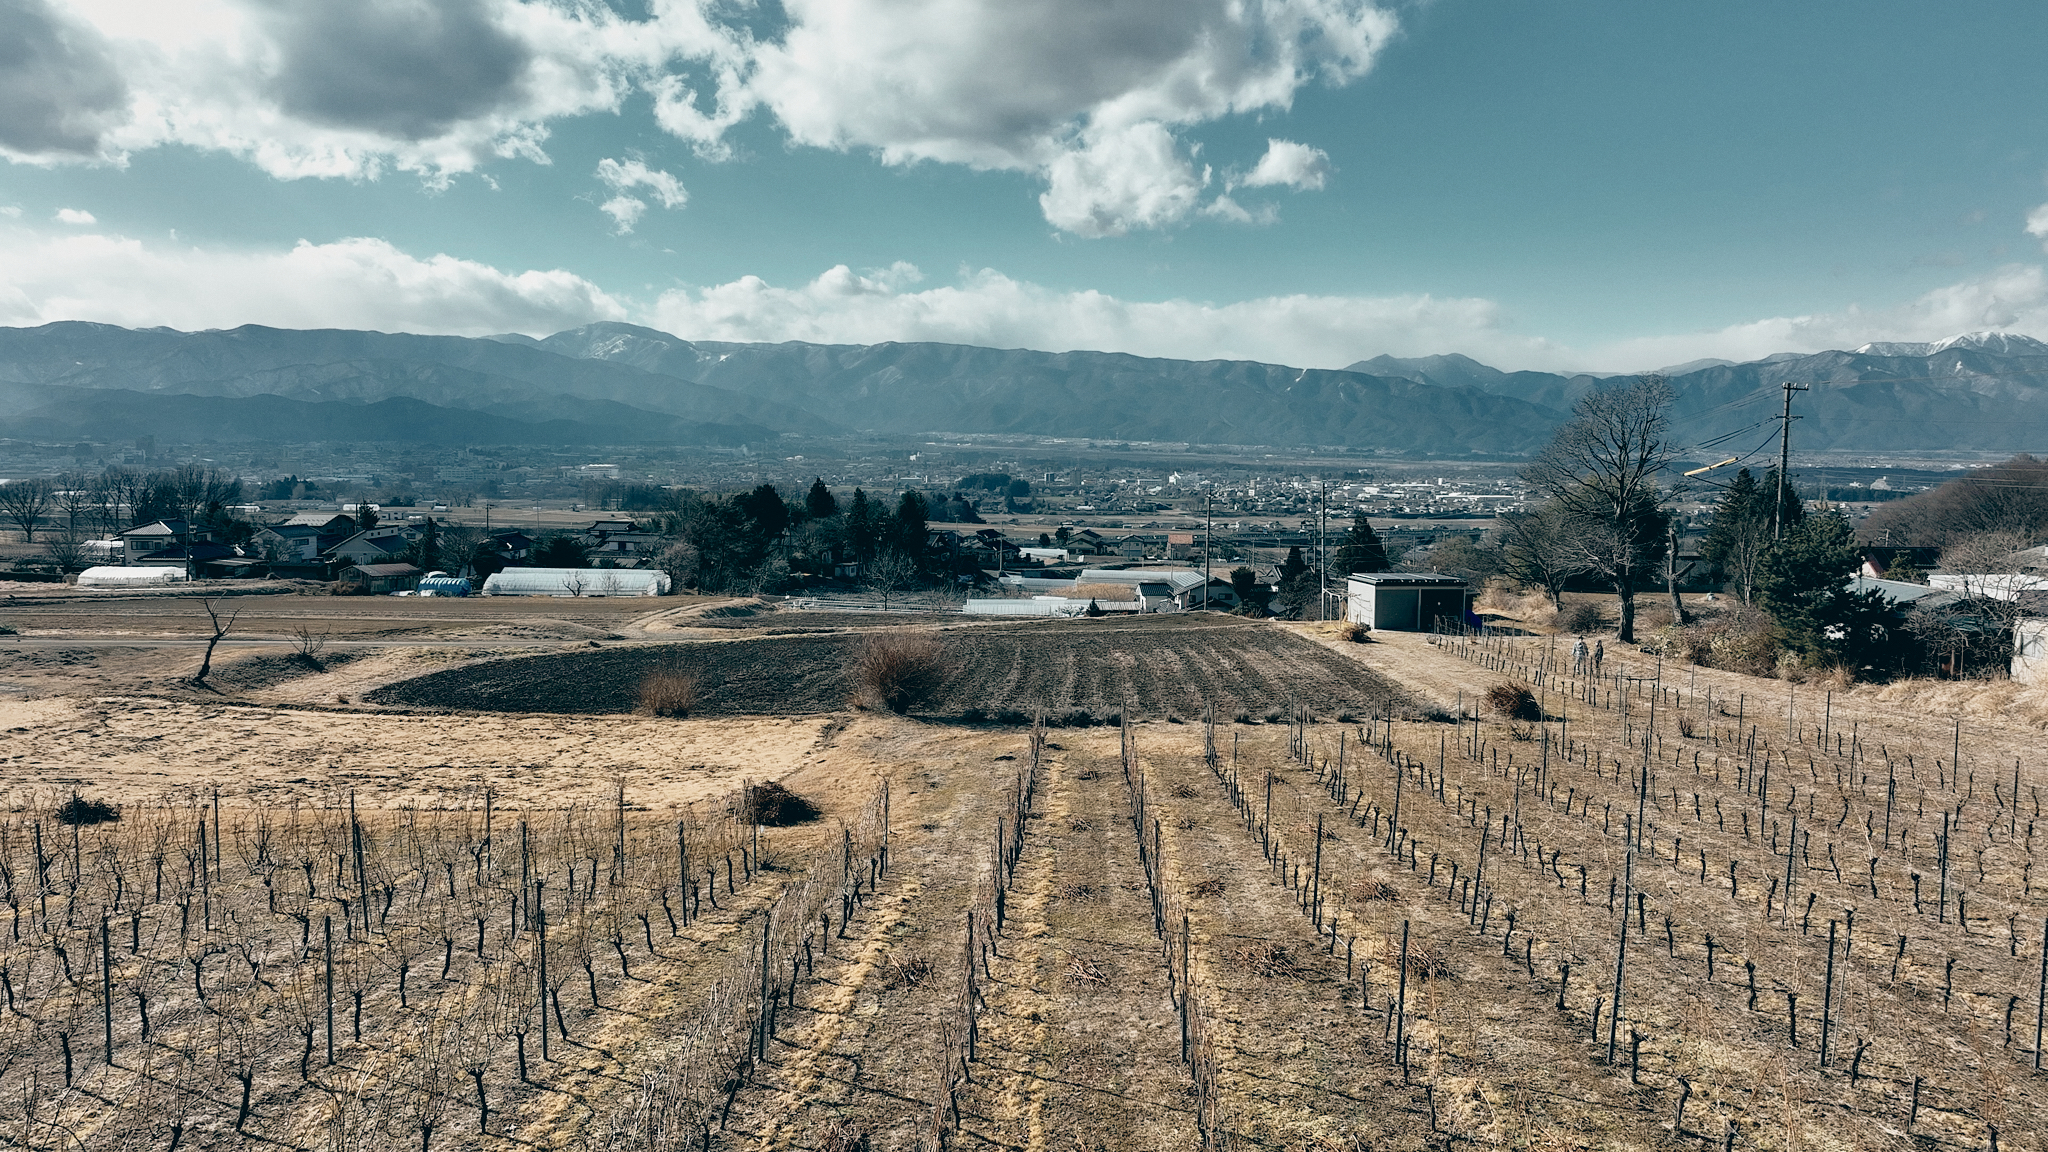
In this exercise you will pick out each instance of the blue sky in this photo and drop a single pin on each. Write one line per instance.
(1593, 184)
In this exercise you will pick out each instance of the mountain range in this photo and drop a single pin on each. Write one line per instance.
(623, 384)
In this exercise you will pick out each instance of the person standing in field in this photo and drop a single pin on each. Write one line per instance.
(1599, 655)
(1579, 656)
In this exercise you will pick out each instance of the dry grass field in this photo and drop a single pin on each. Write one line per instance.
(1403, 930)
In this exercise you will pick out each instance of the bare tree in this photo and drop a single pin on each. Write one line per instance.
(220, 631)
(888, 573)
(1536, 549)
(1601, 468)
(23, 503)
(74, 498)
(66, 548)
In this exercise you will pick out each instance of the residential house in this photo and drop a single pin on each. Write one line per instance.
(1172, 589)
(379, 545)
(304, 538)
(178, 544)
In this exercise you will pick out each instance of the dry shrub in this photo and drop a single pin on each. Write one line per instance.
(1211, 887)
(1267, 959)
(1687, 727)
(1744, 641)
(1356, 632)
(896, 670)
(1080, 893)
(1514, 702)
(668, 691)
(1184, 791)
(773, 806)
(1583, 618)
(1080, 824)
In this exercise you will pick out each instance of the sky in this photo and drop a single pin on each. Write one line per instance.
(1595, 184)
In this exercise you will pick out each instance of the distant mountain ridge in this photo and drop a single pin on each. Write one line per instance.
(1977, 392)
(622, 383)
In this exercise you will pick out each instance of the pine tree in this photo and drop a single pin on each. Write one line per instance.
(1362, 550)
(1804, 585)
(863, 527)
(820, 502)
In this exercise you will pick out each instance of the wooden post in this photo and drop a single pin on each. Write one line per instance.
(1827, 998)
(1401, 1004)
(539, 919)
(107, 987)
(1621, 953)
(2041, 1004)
(327, 930)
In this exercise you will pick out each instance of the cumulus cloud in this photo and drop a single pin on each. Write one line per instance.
(1133, 177)
(626, 210)
(1089, 95)
(74, 216)
(1292, 165)
(355, 283)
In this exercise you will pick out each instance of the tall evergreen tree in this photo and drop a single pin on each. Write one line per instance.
(764, 507)
(863, 527)
(820, 502)
(1362, 550)
(1804, 585)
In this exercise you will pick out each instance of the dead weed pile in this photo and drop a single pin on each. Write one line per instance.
(1207, 888)
(773, 806)
(908, 971)
(1367, 891)
(1268, 959)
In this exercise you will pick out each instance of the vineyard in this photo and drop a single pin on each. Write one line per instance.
(1626, 910)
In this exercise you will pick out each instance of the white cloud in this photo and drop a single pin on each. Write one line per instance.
(625, 210)
(356, 283)
(1296, 166)
(1078, 92)
(74, 216)
(991, 309)
(11, 211)
(2037, 223)
(1133, 177)
(2010, 299)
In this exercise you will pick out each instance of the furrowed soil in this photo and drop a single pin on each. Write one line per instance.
(1170, 665)
(1764, 868)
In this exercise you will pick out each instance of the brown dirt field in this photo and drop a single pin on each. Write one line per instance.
(1079, 1046)
(1163, 664)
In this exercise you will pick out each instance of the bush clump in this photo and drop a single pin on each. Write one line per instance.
(1583, 619)
(1514, 702)
(81, 811)
(668, 692)
(773, 806)
(897, 670)
(1357, 633)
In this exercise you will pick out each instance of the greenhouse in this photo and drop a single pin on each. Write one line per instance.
(113, 576)
(576, 582)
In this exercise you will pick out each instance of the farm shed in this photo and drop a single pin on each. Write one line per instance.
(576, 582)
(111, 576)
(1404, 601)
(381, 578)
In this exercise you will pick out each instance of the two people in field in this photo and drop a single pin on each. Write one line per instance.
(1584, 661)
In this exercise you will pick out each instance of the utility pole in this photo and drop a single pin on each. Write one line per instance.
(1784, 461)
(1322, 548)
(1208, 544)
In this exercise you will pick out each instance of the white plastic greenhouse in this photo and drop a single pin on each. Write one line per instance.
(112, 576)
(576, 582)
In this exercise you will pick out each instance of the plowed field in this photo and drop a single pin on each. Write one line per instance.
(1164, 665)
